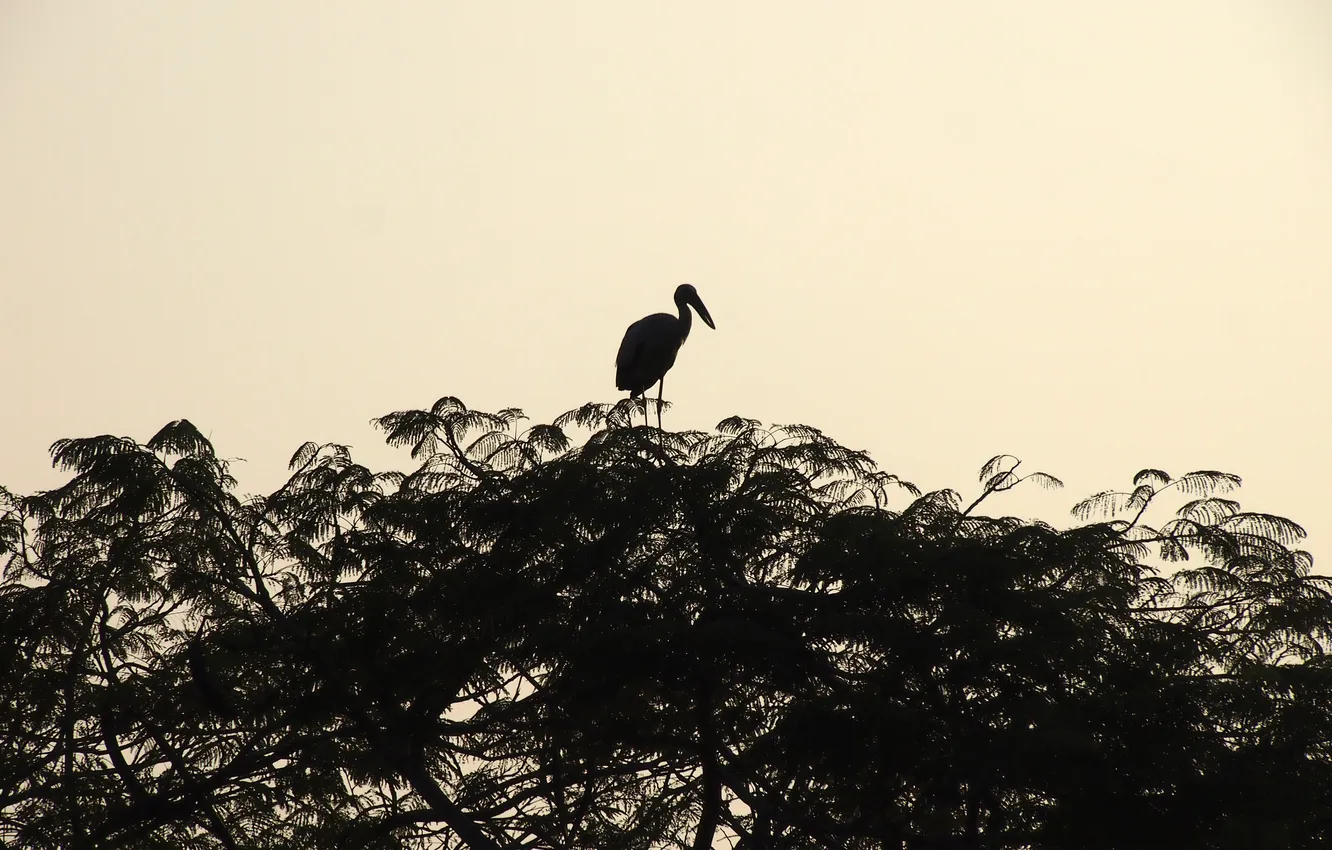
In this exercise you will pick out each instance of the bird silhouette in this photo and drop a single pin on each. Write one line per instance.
(648, 349)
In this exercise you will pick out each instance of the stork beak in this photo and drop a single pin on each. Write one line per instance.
(697, 304)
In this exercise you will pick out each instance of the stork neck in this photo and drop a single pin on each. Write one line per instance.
(686, 319)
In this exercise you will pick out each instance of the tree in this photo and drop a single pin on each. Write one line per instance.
(648, 640)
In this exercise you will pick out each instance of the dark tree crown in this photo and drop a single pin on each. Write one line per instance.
(751, 637)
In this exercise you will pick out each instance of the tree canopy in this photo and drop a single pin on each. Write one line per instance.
(750, 638)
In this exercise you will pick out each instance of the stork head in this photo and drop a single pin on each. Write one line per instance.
(686, 294)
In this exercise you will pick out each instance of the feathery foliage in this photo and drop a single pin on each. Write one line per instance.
(638, 639)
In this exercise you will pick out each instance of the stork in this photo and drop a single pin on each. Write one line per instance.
(650, 344)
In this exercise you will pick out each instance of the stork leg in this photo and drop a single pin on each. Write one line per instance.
(660, 388)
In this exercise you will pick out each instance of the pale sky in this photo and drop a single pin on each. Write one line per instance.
(1096, 235)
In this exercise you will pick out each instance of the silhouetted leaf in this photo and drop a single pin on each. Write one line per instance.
(549, 438)
(733, 425)
(995, 465)
(590, 415)
(182, 438)
(1154, 477)
(1139, 498)
(1107, 503)
(1209, 511)
(303, 456)
(1206, 482)
(1044, 481)
(1274, 528)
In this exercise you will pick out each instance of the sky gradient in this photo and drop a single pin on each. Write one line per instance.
(1097, 235)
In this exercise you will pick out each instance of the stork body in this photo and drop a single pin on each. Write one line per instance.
(650, 344)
